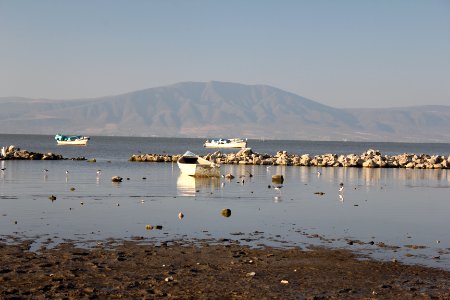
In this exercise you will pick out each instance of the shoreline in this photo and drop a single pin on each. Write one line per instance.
(369, 159)
(177, 269)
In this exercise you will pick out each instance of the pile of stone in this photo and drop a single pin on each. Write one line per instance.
(369, 159)
(154, 158)
(14, 153)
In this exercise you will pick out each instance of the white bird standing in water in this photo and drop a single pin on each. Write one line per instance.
(278, 188)
(341, 189)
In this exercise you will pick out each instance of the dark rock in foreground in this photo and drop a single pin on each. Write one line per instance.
(179, 270)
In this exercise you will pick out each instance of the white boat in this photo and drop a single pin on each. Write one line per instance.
(193, 165)
(71, 139)
(225, 143)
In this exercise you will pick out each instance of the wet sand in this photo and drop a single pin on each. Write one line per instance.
(205, 270)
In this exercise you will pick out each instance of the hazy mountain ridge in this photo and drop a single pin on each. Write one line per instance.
(197, 109)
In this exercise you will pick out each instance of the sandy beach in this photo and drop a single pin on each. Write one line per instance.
(177, 270)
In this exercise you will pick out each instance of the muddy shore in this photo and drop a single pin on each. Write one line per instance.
(177, 270)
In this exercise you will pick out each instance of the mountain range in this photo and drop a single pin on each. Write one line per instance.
(222, 109)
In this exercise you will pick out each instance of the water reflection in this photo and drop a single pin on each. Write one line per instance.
(378, 176)
(188, 186)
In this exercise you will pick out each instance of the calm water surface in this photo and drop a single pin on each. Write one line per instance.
(397, 207)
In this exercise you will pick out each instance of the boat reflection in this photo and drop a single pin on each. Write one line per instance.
(189, 185)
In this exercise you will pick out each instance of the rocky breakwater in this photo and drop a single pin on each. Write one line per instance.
(14, 153)
(369, 159)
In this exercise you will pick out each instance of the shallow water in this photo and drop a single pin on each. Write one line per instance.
(397, 207)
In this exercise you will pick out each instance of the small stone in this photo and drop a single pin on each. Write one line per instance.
(168, 279)
(72, 189)
(250, 274)
(116, 179)
(278, 179)
(284, 281)
(180, 215)
(148, 227)
(226, 212)
(52, 198)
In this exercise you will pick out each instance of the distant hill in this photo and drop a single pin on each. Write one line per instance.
(219, 109)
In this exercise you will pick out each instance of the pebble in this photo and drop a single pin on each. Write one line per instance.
(116, 179)
(226, 212)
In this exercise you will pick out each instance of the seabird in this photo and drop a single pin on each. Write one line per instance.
(278, 188)
(341, 189)
(3, 169)
(318, 173)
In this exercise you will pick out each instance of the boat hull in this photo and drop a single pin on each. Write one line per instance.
(229, 145)
(197, 170)
(75, 143)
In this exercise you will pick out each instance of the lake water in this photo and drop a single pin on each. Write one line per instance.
(406, 210)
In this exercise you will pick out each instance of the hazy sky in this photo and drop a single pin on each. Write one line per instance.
(359, 53)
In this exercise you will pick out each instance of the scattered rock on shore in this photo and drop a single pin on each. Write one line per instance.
(14, 153)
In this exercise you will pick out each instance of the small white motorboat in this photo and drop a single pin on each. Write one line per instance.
(77, 140)
(225, 143)
(193, 165)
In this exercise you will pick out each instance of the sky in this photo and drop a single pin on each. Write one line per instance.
(344, 54)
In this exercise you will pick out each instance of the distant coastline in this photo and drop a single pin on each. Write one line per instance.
(214, 109)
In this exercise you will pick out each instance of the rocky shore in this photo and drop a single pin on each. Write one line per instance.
(369, 159)
(15, 153)
(185, 270)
